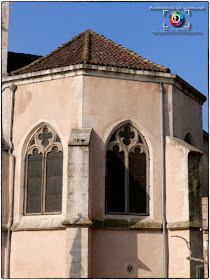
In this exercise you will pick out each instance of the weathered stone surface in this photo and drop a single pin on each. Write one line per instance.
(184, 225)
(80, 137)
(195, 188)
(196, 247)
(205, 212)
(75, 221)
(47, 224)
(127, 224)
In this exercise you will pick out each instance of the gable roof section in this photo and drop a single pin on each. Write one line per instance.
(90, 47)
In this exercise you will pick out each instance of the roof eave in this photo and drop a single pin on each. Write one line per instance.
(108, 71)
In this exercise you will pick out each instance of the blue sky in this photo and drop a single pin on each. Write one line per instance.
(40, 27)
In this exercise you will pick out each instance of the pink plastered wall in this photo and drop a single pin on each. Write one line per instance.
(114, 250)
(38, 254)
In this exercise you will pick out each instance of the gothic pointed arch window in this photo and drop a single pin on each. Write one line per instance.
(127, 168)
(43, 173)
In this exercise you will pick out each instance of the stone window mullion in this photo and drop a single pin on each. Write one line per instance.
(126, 184)
(44, 181)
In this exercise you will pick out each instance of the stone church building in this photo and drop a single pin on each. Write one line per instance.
(104, 166)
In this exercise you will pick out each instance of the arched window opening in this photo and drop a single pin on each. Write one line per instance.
(127, 172)
(43, 173)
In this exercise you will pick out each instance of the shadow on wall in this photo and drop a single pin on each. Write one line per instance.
(76, 270)
(114, 253)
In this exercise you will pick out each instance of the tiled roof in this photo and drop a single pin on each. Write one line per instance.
(91, 48)
(19, 60)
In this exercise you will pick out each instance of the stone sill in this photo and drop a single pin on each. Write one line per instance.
(127, 224)
(75, 221)
(131, 224)
(48, 224)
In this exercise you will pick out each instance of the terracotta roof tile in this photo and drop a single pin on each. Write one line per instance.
(91, 48)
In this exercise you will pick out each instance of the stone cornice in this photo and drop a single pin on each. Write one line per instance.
(51, 224)
(80, 136)
(184, 225)
(83, 221)
(36, 225)
(127, 224)
(106, 72)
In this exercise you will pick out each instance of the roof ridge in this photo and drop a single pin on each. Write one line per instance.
(50, 53)
(87, 48)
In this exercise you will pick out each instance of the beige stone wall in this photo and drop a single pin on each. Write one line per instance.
(6, 105)
(103, 104)
(5, 187)
(57, 103)
(177, 199)
(179, 266)
(4, 35)
(107, 104)
(187, 118)
(77, 250)
(114, 250)
(205, 212)
(38, 254)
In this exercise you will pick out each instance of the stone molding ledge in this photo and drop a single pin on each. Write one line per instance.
(48, 224)
(184, 225)
(80, 136)
(56, 224)
(128, 224)
(75, 221)
(105, 71)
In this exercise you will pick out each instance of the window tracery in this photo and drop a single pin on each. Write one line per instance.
(43, 173)
(127, 172)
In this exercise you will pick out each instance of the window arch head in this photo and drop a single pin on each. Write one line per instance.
(127, 172)
(43, 173)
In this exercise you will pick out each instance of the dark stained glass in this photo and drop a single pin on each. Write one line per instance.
(126, 134)
(137, 182)
(54, 171)
(34, 182)
(112, 137)
(115, 181)
(45, 136)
